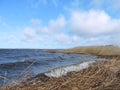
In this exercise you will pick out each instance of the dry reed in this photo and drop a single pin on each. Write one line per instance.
(103, 75)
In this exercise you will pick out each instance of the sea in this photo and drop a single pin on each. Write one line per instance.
(15, 63)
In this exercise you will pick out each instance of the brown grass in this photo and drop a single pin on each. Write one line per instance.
(103, 75)
(97, 50)
(101, 51)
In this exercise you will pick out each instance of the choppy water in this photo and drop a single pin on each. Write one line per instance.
(14, 63)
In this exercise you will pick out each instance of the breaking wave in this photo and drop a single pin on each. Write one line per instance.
(59, 72)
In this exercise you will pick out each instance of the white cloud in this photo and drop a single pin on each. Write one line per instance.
(88, 28)
(76, 39)
(35, 22)
(57, 24)
(54, 26)
(63, 39)
(29, 33)
(35, 31)
(93, 22)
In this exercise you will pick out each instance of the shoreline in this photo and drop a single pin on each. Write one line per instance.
(58, 72)
(107, 52)
(103, 75)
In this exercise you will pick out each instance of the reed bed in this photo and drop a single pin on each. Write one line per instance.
(102, 75)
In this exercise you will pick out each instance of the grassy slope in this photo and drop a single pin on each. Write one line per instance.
(103, 75)
(102, 51)
(97, 50)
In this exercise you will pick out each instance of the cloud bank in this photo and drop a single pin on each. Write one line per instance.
(93, 22)
(60, 24)
(82, 27)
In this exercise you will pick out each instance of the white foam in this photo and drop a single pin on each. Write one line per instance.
(64, 70)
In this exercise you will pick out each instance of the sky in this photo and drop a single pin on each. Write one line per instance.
(57, 24)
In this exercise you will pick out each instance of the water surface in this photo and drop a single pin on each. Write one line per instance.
(14, 63)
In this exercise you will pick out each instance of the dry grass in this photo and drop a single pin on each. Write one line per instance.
(104, 75)
(101, 51)
(97, 50)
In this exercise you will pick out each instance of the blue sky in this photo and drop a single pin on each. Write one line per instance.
(59, 23)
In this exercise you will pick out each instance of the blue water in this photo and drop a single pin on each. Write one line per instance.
(16, 62)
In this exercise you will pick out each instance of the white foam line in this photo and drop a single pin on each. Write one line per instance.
(64, 70)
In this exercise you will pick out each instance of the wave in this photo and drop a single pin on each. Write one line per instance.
(59, 72)
(20, 64)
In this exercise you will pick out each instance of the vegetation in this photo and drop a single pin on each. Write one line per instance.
(97, 50)
(102, 75)
(101, 51)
